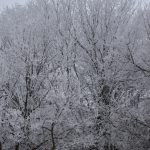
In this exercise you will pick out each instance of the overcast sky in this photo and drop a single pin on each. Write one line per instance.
(5, 3)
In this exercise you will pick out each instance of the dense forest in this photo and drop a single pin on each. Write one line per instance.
(75, 75)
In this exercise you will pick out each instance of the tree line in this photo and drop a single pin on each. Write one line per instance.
(75, 75)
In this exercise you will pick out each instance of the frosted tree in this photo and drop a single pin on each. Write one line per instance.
(74, 75)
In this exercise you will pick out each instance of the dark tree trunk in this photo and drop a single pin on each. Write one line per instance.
(17, 147)
(52, 136)
(0, 146)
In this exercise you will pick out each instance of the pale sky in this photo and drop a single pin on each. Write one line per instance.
(5, 3)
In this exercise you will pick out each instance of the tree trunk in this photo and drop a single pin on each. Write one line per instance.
(17, 147)
(0, 146)
(52, 136)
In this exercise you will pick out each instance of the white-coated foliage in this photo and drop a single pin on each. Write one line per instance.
(75, 75)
